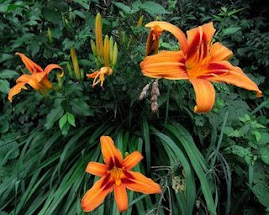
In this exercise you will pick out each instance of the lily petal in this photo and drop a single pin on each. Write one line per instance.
(121, 197)
(16, 90)
(30, 65)
(199, 42)
(132, 160)
(166, 64)
(112, 156)
(93, 75)
(50, 67)
(33, 80)
(135, 181)
(219, 52)
(96, 195)
(205, 95)
(46, 83)
(173, 30)
(95, 168)
(234, 76)
(153, 41)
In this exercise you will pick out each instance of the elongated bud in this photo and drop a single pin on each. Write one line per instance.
(60, 80)
(75, 63)
(111, 49)
(70, 71)
(140, 21)
(82, 74)
(99, 35)
(93, 47)
(50, 36)
(115, 54)
(106, 51)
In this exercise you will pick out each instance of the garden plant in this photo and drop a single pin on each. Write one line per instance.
(134, 107)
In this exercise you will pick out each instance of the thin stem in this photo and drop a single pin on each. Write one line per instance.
(220, 140)
(262, 105)
(167, 106)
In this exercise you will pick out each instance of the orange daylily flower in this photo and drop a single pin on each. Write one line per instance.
(116, 175)
(38, 79)
(99, 75)
(198, 61)
(105, 53)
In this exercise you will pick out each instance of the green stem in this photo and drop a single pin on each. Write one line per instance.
(220, 140)
(167, 107)
(262, 105)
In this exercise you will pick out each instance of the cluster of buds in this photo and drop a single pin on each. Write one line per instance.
(105, 52)
(155, 92)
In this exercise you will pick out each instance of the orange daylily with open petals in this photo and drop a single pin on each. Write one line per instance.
(38, 79)
(116, 175)
(199, 61)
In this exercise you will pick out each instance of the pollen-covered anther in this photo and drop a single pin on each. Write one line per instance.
(116, 175)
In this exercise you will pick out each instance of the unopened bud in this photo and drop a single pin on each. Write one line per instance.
(75, 63)
(50, 36)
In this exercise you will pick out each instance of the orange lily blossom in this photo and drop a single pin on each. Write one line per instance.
(38, 79)
(200, 61)
(116, 175)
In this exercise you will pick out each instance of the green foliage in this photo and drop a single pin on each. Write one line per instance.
(215, 163)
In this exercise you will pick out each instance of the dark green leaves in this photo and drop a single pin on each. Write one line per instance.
(54, 115)
(52, 15)
(150, 7)
(80, 107)
(4, 86)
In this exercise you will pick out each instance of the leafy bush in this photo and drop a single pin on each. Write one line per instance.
(214, 163)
